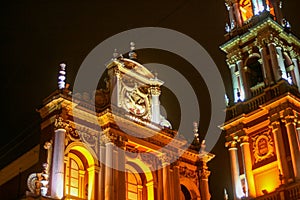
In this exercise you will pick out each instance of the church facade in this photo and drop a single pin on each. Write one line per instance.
(115, 143)
(263, 124)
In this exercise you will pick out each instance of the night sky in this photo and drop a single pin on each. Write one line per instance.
(38, 35)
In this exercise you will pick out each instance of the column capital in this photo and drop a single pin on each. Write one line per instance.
(289, 117)
(105, 140)
(231, 144)
(155, 90)
(118, 73)
(165, 159)
(60, 123)
(274, 125)
(244, 139)
(204, 174)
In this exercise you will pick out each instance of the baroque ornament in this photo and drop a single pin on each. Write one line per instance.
(263, 147)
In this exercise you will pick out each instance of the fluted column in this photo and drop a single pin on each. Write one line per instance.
(243, 81)
(57, 175)
(281, 63)
(266, 66)
(166, 176)
(280, 151)
(155, 105)
(246, 156)
(293, 144)
(109, 176)
(235, 170)
(101, 177)
(274, 61)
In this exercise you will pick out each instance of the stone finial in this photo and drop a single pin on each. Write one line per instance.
(115, 54)
(132, 53)
(62, 76)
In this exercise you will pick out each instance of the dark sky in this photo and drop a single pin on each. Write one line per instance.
(38, 35)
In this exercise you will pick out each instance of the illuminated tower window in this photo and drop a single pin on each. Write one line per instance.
(270, 8)
(246, 9)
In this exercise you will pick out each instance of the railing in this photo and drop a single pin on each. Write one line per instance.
(270, 196)
(264, 95)
(289, 192)
(293, 192)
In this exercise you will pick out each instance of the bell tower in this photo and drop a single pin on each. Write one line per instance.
(263, 116)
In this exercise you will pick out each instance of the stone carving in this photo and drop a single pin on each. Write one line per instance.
(263, 147)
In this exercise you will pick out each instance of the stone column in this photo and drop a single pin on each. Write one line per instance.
(280, 151)
(91, 186)
(274, 61)
(101, 177)
(297, 74)
(57, 175)
(109, 176)
(160, 184)
(231, 16)
(281, 63)
(237, 14)
(246, 156)
(155, 105)
(235, 83)
(176, 181)
(115, 173)
(166, 176)
(244, 89)
(204, 186)
(235, 170)
(150, 190)
(266, 66)
(293, 143)
(121, 171)
(118, 85)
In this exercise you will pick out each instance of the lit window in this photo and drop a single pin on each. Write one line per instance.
(246, 9)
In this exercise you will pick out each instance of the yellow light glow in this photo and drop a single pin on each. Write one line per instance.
(267, 180)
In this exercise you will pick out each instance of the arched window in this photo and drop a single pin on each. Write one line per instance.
(75, 177)
(254, 71)
(139, 185)
(132, 186)
(185, 193)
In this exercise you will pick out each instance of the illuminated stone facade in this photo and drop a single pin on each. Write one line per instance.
(263, 120)
(110, 145)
